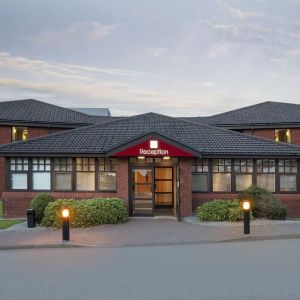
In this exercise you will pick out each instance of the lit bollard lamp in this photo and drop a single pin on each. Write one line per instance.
(66, 224)
(246, 210)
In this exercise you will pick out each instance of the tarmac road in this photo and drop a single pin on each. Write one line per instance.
(231, 270)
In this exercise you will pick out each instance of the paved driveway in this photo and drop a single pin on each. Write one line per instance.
(141, 232)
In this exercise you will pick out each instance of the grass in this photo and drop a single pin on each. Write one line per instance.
(7, 223)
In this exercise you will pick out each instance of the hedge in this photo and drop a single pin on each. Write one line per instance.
(264, 204)
(87, 212)
(39, 203)
(220, 210)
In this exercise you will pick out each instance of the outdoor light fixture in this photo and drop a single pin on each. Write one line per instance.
(66, 224)
(141, 157)
(246, 210)
(166, 157)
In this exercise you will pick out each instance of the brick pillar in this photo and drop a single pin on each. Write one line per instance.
(185, 186)
(122, 179)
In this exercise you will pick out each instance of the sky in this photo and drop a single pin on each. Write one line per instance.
(175, 57)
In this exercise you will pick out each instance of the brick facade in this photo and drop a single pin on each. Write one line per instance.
(185, 186)
(290, 201)
(270, 134)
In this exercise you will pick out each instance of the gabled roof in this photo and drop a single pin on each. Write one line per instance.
(103, 138)
(264, 114)
(93, 111)
(34, 111)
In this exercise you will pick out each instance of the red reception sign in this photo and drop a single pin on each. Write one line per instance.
(154, 147)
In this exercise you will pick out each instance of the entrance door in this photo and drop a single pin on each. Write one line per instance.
(142, 191)
(163, 185)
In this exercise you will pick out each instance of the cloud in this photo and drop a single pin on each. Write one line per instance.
(156, 51)
(78, 32)
(241, 14)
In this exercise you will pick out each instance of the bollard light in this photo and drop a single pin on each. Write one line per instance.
(246, 210)
(66, 224)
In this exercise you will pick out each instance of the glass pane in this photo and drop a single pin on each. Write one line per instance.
(41, 180)
(163, 173)
(142, 207)
(221, 182)
(142, 191)
(164, 186)
(259, 166)
(243, 181)
(63, 181)
(200, 182)
(266, 181)
(142, 175)
(85, 181)
(107, 181)
(19, 181)
(163, 199)
(288, 183)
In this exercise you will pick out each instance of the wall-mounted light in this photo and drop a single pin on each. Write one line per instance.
(166, 157)
(141, 157)
(153, 144)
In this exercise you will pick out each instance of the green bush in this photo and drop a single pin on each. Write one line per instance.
(264, 204)
(39, 203)
(87, 212)
(220, 210)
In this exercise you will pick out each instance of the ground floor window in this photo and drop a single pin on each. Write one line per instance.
(41, 173)
(18, 173)
(85, 174)
(107, 174)
(221, 175)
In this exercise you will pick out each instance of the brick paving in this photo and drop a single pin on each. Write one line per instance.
(143, 232)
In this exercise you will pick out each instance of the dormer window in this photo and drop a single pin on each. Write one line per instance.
(283, 135)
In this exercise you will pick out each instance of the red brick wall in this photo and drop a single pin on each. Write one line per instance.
(295, 133)
(185, 186)
(290, 201)
(266, 133)
(16, 203)
(34, 132)
(5, 135)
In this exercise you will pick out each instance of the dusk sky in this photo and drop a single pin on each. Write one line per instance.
(181, 58)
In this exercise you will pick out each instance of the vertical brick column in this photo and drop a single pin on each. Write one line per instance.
(185, 186)
(122, 179)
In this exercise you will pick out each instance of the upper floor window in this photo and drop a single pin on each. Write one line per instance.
(200, 175)
(19, 134)
(283, 135)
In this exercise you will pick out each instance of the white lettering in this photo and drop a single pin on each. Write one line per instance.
(154, 152)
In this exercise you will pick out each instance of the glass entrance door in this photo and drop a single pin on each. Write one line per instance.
(163, 187)
(142, 191)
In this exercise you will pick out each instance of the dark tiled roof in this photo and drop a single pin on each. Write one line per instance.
(33, 111)
(100, 139)
(266, 113)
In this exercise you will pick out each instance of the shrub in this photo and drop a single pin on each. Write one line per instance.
(85, 213)
(220, 210)
(39, 203)
(264, 204)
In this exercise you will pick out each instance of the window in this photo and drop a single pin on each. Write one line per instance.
(243, 173)
(18, 173)
(283, 135)
(107, 174)
(85, 174)
(200, 175)
(266, 174)
(288, 175)
(63, 174)
(19, 134)
(41, 167)
(221, 175)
